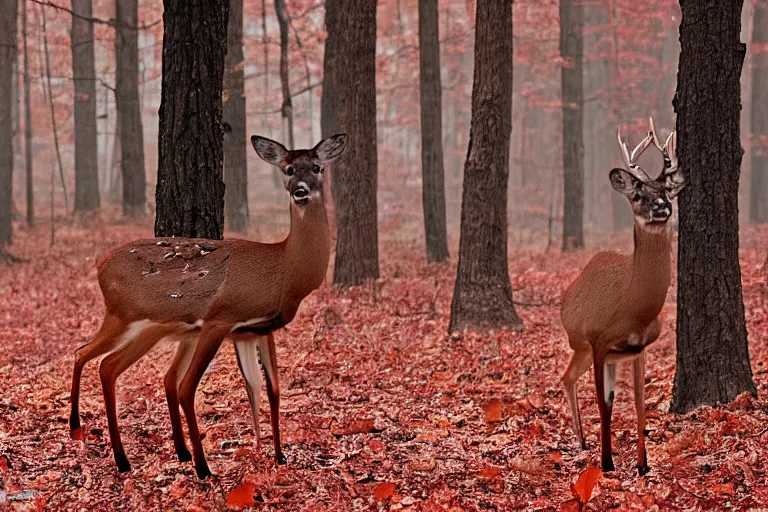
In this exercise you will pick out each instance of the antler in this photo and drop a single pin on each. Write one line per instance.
(674, 182)
(630, 159)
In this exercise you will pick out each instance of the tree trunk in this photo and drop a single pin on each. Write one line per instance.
(287, 107)
(235, 144)
(190, 188)
(712, 354)
(129, 109)
(482, 298)
(84, 75)
(622, 216)
(329, 120)
(354, 175)
(27, 124)
(432, 170)
(572, 50)
(758, 192)
(8, 27)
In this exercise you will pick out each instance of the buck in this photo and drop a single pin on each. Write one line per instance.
(201, 292)
(611, 311)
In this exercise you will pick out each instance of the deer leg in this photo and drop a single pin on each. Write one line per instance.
(135, 347)
(580, 363)
(604, 384)
(638, 367)
(211, 337)
(269, 357)
(172, 379)
(104, 341)
(247, 351)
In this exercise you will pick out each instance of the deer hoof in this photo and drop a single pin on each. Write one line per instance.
(183, 454)
(202, 471)
(642, 469)
(608, 466)
(123, 466)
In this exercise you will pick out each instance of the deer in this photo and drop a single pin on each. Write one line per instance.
(610, 312)
(200, 292)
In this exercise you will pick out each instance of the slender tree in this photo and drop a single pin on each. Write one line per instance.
(355, 174)
(190, 189)
(482, 298)
(287, 107)
(235, 144)
(712, 353)
(432, 170)
(84, 74)
(329, 119)
(758, 191)
(572, 51)
(129, 109)
(8, 27)
(27, 122)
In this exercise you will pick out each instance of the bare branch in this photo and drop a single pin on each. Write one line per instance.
(110, 22)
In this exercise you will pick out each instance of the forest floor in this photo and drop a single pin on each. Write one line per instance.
(381, 409)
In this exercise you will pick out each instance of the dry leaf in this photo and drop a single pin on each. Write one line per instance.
(722, 488)
(384, 491)
(493, 411)
(355, 427)
(423, 464)
(583, 487)
(489, 472)
(241, 496)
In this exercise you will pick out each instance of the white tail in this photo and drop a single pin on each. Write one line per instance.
(200, 292)
(610, 312)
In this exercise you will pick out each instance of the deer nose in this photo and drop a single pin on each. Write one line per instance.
(301, 193)
(661, 208)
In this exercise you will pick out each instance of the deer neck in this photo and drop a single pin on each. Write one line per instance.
(651, 270)
(308, 247)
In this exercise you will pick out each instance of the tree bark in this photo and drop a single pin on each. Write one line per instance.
(190, 188)
(329, 120)
(432, 169)
(712, 353)
(482, 297)
(572, 51)
(355, 174)
(287, 107)
(84, 74)
(8, 27)
(27, 124)
(235, 144)
(758, 192)
(129, 109)
(622, 216)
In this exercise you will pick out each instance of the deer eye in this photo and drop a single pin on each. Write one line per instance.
(317, 169)
(636, 198)
(290, 171)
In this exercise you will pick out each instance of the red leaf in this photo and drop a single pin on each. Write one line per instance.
(493, 411)
(722, 488)
(489, 472)
(582, 489)
(383, 491)
(556, 457)
(242, 496)
(355, 427)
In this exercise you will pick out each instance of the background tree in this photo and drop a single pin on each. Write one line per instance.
(572, 50)
(8, 27)
(84, 75)
(432, 171)
(712, 352)
(758, 192)
(129, 109)
(354, 175)
(287, 107)
(30, 188)
(190, 188)
(482, 298)
(235, 144)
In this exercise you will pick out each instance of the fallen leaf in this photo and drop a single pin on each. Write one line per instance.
(354, 427)
(493, 411)
(556, 457)
(584, 485)
(384, 491)
(241, 496)
(722, 488)
(489, 472)
(530, 466)
(423, 464)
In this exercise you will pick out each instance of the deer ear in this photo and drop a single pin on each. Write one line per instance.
(623, 181)
(330, 148)
(268, 150)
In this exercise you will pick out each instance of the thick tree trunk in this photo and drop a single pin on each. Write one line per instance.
(758, 192)
(129, 109)
(27, 124)
(482, 298)
(287, 107)
(235, 144)
(622, 216)
(190, 188)
(329, 119)
(432, 170)
(8, 27)
(84, 74)
(355, 174)
(572, 50)
(712, 353)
